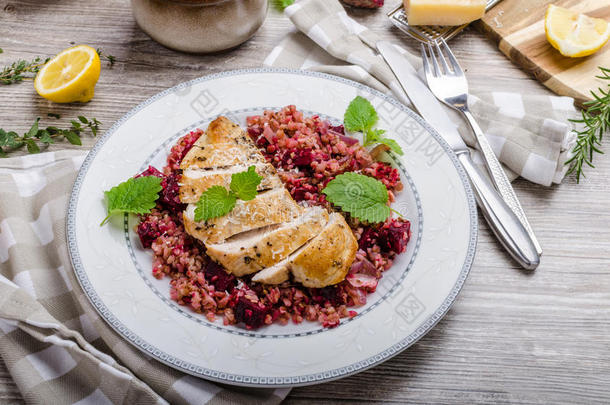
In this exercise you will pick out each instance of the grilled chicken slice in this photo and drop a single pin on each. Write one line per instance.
(276, 274)
(249, 252)
(195, 181)
(223, 130)
(223, 144)
(220, 155)
(323, 261)
(268, 208)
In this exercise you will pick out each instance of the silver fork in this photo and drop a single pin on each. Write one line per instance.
(449, 85)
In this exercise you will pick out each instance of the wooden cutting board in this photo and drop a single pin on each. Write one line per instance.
(518, 27)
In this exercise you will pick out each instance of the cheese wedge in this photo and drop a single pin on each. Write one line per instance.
(444, 12)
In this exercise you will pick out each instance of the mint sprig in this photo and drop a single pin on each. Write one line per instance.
(217, 201)
(361, 116)
(364, 197)
(136, 196)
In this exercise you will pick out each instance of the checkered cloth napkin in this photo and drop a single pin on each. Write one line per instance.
(56, 347)
(530, 134)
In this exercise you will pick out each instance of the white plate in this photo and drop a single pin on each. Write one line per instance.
(115, 271)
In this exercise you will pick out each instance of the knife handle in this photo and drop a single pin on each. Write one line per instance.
(499, 178)
(502, 220)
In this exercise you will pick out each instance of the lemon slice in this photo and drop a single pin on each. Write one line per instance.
(70, 76)
(573, 34)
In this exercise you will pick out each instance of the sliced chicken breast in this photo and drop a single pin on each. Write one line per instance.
(323, 261)
(223, 144)
(274, 275)
(268, 208)
(223, 130)
(328, 257)
(249, 252)
(271, 234)
(221, 155)
(195, 181)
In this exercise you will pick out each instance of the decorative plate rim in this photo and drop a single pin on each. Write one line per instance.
(256, 381)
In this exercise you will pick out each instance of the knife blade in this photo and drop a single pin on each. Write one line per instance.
(502, 220)
(426, 104)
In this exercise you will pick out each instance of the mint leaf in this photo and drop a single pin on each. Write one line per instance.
(394, 146)
(282, 4)
(373, 136)
(360, 115)
(362, 196)
(136, 196)
(244, 184)
(215, 202)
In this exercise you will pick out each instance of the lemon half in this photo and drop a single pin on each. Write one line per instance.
(70, 76)
(574, 34)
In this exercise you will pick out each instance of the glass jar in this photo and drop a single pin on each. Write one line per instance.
(200, 26)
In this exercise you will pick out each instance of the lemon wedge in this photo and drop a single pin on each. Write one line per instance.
(574, 34)
(70, 76)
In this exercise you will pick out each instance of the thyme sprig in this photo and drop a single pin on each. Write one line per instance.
(37, 138)
(22, 69)
(111, 59)
(595, 121)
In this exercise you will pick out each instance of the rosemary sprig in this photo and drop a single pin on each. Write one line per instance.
(20, 70)
(35, 137)
(596, 121)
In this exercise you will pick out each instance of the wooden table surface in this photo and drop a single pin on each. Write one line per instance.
(512, 336)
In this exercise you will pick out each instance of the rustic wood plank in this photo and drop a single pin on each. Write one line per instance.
(512, 336)
(518, 27)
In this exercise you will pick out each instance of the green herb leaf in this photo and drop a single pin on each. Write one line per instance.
(360, 115)
(136, 196)
(31, 145)
(83, 119)
(215, 202)
(33, 130)
(244, 184)
(282, 4)
(72, 137)
(362, 196)
(1, 51)
(44, 137)
(393, 145)
(54, 115)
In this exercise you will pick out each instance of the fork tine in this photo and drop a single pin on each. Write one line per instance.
(454, 63)
(424, 57)
(437, 70)
(442, 58)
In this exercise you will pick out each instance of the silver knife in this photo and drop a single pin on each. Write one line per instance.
(503, 222)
